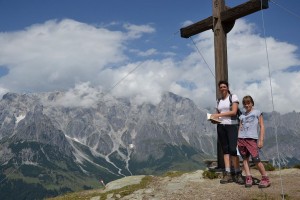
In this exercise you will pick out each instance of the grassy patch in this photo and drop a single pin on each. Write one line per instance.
(269, 167)
(297, 166)
(129, 189)
(265, 196)
(210, 174)
(124, 191)
(173, 174)
(285, 196)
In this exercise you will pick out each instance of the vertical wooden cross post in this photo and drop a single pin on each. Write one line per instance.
(221, 22)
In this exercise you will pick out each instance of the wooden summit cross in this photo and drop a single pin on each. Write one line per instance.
(221, 22)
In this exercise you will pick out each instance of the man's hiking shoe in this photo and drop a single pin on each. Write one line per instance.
(238, 178)
(248, 182)
(264, 182)
(227, 178)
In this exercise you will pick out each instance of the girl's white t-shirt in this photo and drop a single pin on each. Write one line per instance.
(224, 106)
(250, 124)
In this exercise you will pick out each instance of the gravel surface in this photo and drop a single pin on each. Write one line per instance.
(193, 186)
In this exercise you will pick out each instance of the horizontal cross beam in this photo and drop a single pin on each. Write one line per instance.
(229, 15)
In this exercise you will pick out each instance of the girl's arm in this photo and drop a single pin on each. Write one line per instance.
(262, 132)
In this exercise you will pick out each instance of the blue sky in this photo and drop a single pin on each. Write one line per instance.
(90, 45)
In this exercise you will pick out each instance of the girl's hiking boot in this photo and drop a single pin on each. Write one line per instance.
(248, 182)
(238, 178)
(227, 178)
(264, 182)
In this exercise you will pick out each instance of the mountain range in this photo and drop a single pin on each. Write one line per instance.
(50, 145)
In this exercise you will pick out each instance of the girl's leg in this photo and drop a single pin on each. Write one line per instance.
(248, 181)
(265, 181)
(261, 168)
(246, 166)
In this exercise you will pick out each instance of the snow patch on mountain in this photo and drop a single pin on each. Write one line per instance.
(19, 118)
(80, 156)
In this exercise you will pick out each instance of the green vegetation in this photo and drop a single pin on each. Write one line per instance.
(131, 188)
(46, 184)
(297, 166)
(118, 161)
(265, 196)
(269, 167)
(124, 191)
(173, 174)
(285, 196)
(47, 176)
(210, 174)
(175, 158)
(54, 173)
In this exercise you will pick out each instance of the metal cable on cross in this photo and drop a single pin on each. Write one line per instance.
(286, 9)
(272, 101)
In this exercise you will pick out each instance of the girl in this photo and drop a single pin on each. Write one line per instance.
(249, 141)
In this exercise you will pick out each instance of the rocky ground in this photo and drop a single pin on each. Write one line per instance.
(193, 186)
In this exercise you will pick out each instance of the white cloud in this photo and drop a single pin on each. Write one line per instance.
(187, 23)
(3, 91)
(82, 95)
(58, 55)
(146, 53)
(248, 69)
(252, 58)
(135, 31)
